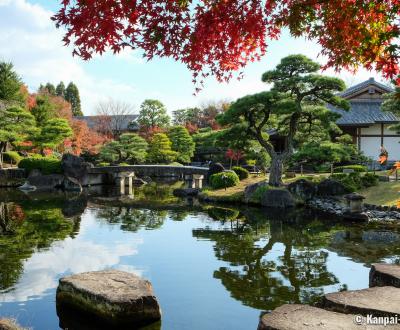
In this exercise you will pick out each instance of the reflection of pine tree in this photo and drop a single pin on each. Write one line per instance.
(296, 276)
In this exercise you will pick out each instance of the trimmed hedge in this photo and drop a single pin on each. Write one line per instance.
(46, 165)
(224, 180)
(241, 172)
(12, 157)
(355, 181)
(356, 168)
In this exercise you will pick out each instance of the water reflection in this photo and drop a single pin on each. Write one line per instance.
(262, 259)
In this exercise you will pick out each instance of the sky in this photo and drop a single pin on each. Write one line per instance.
(29, 40)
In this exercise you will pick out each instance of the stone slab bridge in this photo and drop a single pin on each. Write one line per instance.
(122, 175)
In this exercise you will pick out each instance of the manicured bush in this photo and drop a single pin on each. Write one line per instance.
(123, 164)
(46, 165)
(356, 168)
(101, 164)
(241, 172)
(369, 180)
(260, 191)
(224, 180)
(12, 157)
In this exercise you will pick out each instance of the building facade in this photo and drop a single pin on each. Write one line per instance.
(366, 122)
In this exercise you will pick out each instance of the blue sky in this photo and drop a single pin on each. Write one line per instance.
(30, 40)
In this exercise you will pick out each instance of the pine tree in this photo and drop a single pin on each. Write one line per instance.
(50, 88)
(72, 96)
(10, 84)
(60, 89)
(182, 143)
(160, 150)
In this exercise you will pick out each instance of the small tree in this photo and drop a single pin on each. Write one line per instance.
(153, 113)
(182, 143)
(160, 150)
(53, 133)
(295, 103)
(130, 147)
(72, 96)
(16, 125)
(43, 109)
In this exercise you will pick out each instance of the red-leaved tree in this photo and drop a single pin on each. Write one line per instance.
(220, 37)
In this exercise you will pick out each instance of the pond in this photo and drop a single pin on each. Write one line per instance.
(212, 267)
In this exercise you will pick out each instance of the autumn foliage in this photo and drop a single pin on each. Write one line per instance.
(220, 37)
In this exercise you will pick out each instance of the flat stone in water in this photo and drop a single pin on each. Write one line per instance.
(384, 274)
(118, 298)
(378, 301)
(304, 317)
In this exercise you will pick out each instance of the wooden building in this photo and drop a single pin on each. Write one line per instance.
(366, 122)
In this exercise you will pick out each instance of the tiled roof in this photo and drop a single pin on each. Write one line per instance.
(128, 122)
(371, 81)
(364, 113)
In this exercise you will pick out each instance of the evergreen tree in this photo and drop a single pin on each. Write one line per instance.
(153, 114)
(16, 124)
(53, 133)
(43, 110)
(10, 84)
(60, 89)
(160, 150)
(182, 143)
(50, 89)
(130, 147)
(72, 96)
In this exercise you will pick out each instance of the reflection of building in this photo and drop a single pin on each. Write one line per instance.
(117, 124)
(366, 122)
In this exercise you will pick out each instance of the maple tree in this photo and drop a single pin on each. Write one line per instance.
(220, 37)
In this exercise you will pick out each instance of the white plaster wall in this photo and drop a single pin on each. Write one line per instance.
(374, 129)
(370, 146)
(392, 145)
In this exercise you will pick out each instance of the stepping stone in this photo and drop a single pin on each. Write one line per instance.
(384, 274)
(378, 301)
(112, 297)
(304, 317)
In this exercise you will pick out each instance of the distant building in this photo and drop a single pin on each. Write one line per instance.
(116, 125)
(366, 122)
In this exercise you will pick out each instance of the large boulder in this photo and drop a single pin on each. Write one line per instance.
(185, 192)
(251, 189)
(118, 299)
(215, 168)
(303, 189)
(71, 184)
(330, 187)
(277, 198)
(45, 182)
(75, 167)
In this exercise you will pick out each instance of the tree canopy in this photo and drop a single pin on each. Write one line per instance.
(296, 104)
(160, 150)
(153, 114)
(182, 143)
(220, 37)
(10, 84)
(72, 96)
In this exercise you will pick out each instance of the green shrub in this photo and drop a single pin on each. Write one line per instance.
(101, 164)
(46, 165)
(256, 196)
(369, 180)
(354, 181)
(356, 168)
(123, 164)
(12, 157)
(241, 172)
(224, 180)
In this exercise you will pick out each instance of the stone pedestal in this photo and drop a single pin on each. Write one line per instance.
(354, 202)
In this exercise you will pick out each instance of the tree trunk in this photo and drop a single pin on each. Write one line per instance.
(275, 173)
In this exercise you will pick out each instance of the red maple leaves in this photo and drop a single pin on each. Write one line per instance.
(220, 37)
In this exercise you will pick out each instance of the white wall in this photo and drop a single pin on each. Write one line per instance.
(370, 146)
(392, 145)
(374, 129)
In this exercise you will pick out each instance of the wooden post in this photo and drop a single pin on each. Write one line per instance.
(301, 169)
(122, 185)
(331, 169)
(397, 175)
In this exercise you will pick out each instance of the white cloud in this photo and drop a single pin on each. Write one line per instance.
(30, 40)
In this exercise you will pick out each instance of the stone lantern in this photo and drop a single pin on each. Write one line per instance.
(354, 202)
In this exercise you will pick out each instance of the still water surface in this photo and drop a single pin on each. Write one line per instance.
(211, 267)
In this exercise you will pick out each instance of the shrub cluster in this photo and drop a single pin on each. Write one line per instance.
(46, 165)
(224, 180)
(12, 157)
(355, 181)
(241, 172)
(356, 168)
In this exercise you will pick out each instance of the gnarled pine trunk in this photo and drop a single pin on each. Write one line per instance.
(276, 171)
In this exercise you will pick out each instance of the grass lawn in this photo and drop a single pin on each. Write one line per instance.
(233, 193)
(386, 193)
